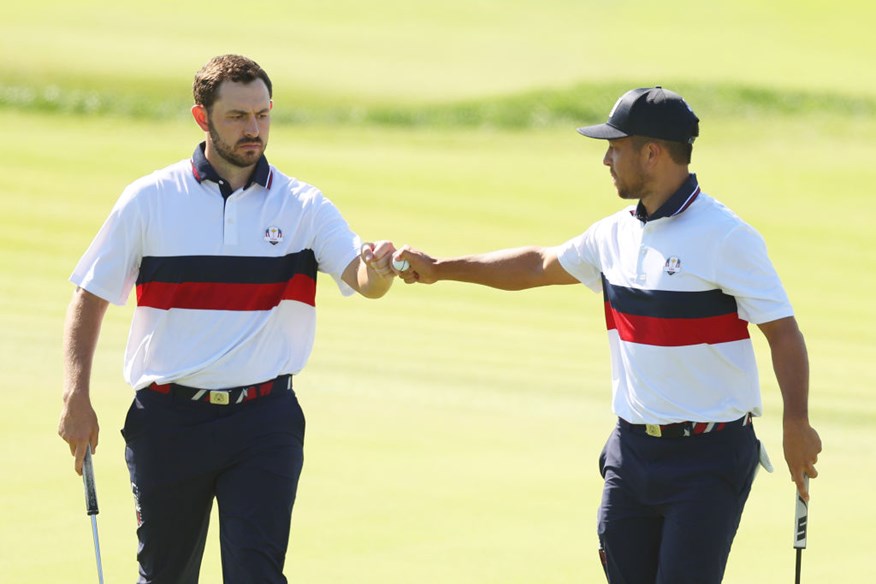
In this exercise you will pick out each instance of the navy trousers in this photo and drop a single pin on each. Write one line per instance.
(183, 454)
(671, 506)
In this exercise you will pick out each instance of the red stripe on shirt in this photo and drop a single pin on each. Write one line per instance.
(226, 296)
(676, 332)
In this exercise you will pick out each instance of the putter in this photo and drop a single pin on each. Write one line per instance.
(91, 506)
(800, 525)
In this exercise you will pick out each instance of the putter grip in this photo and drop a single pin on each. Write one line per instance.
(801, 519)
(88, 481)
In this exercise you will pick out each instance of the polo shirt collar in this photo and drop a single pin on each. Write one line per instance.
(674, 205)
(203, 170)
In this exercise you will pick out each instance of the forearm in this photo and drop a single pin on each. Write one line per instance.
(78, 424)
(81, 332)
(801, 443)
(507, 269)
(790, 362)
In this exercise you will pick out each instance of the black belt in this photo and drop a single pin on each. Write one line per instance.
(224, 397)
(684, 429)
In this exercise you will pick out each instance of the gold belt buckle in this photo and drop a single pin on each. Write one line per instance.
(653, 430)
(220, 398)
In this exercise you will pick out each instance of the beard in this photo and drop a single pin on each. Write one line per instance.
(229, 153)
(632, 187)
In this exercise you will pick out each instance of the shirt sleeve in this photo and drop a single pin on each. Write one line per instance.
(580, 257)
(110, 265)
(746, 273)
(335, 244)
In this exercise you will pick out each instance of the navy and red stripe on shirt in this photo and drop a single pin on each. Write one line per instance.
(670, 318)
(226, 282)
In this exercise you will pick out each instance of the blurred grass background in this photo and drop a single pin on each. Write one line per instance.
(452, 430)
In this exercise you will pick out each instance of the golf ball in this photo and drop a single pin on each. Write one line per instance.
(401, 265)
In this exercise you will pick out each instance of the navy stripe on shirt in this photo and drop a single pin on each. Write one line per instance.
(228, 269)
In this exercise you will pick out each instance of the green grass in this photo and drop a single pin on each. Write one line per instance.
(582, 103)
(452, 430)
(350, 53)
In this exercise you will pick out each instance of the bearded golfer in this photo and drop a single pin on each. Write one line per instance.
(223, 250)
(682, 277)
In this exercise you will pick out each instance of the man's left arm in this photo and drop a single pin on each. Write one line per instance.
(801, 442)
(370, 273)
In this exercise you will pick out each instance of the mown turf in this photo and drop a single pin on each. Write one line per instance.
(347, 54)
(453, 430)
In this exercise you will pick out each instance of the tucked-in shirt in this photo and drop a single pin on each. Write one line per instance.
(225, 281)
(680, 288)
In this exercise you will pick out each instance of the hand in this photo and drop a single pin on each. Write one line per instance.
(421, 267)
(78, 427)
(801, 444)
(377, 257)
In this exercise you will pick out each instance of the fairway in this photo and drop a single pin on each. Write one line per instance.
(452, 431)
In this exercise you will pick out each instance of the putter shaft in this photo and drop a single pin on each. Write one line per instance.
(97, 549)
(91, 507)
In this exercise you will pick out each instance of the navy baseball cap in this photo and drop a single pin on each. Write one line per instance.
(648, 111)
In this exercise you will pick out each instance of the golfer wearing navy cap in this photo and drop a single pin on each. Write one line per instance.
(681, 277)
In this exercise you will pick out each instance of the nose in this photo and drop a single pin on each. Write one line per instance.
(251, 130)
(606, 160)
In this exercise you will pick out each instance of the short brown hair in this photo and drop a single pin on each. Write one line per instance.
(679, 152)
(234, 68)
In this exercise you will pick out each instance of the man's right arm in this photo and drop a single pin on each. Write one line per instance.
(78, 424)
(507, 269)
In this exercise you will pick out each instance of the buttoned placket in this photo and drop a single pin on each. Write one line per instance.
(230, 234)
(641, 276)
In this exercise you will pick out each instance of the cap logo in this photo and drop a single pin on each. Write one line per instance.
(617, 103)
(273, 235)
(672, 266)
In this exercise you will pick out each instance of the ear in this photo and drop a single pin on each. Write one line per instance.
(651, 152)
(199, 112)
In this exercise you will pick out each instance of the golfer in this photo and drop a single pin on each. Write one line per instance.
(681, 277)
(223, 250)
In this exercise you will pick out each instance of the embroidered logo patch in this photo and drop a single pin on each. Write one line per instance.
(672, 266)
(273, 235)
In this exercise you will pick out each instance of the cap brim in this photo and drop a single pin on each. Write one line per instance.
(602, 132)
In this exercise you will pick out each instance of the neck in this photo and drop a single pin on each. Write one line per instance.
(662, 189)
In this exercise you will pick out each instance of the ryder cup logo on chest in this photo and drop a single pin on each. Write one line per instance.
(273, 235)
(672, 266)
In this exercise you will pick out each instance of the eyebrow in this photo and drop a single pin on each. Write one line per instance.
(244, 112)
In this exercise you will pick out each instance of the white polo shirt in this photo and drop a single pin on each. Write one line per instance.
(680, 288)
(225, 286)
